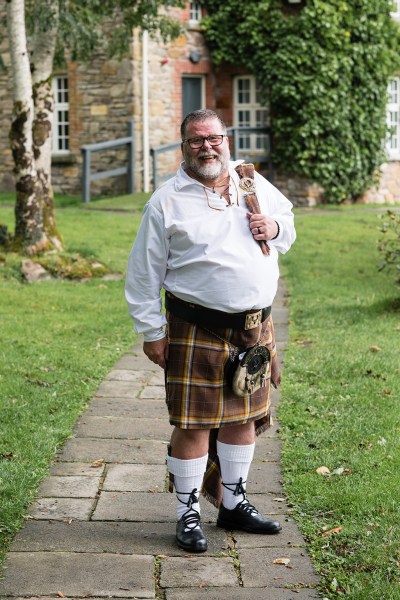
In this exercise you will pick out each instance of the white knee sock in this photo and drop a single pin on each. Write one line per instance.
(188, 479)
(235, 464)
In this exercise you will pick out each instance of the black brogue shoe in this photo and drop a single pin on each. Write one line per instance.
(246, 518)
(189, 534)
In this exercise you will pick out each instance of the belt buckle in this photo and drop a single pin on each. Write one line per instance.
(252, 320)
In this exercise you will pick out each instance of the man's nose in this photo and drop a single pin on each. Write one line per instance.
(205, 141)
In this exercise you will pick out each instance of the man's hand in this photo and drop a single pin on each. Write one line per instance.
(157, 352)
(262, 227)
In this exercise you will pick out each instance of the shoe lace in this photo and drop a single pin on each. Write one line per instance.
(191, 519)
(193, 497)
(244, 505)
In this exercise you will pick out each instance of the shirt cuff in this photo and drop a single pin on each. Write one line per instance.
(154, 335)
(279, 230)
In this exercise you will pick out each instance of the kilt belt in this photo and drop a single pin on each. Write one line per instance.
(211, 319)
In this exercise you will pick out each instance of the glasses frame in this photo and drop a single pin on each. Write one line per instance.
(190, 141)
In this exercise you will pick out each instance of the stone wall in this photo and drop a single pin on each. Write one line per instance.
(388, 190)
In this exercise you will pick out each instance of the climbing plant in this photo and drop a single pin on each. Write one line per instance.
(323, 70)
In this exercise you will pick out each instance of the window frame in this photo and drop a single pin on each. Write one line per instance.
(59, 141)
(393, 108)
(253, 144)
(195, 13)
(202, 79)
(396, 12)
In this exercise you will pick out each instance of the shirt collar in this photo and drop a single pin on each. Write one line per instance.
(182, 179)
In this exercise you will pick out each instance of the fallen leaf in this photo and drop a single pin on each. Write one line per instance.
(335, 530)
(338, 471)
(323, 471)
(7, 455)
(281, 561)
(97, 463)
(202, 584)
(60, 595)
(375, 348)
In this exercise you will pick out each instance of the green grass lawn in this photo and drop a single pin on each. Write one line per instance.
(340, 406)
(58, 340)
(340, 395)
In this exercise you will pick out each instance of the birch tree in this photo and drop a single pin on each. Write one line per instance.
(30, 233)
(76, 26)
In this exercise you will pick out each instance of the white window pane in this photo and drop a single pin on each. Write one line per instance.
(244, 142)
(60, 132)
(244, 118)
(261, 118)
(243, 91)
(195, 11)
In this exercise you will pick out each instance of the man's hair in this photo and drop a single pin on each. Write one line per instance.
(200, 115)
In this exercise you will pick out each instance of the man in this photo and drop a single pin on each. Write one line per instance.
(199, 242)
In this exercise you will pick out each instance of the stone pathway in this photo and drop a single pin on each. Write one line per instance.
(104, 525)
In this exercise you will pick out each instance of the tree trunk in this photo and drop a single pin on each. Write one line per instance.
(44, 46)
(29, 232)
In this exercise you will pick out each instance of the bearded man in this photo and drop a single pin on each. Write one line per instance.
(201, 244)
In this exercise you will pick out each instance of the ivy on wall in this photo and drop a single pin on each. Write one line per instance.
(323, 71)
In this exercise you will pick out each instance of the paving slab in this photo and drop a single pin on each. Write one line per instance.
(267, 449)
(157, 378)
(197, 571)
(128, 375)
(120, 389)
(114, 451)
(77, 469)
(110, 537)
(264, 477)
(73, 486)
(146, 507)
(135, 478)
(123, 427)
(62, 508)
(240, 593)
(153, 391)
(49, 574)
(289, 537)
(125, 407)
(258, 569)
(280, 316)
(134, 361)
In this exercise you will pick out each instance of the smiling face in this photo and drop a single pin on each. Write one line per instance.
(208, 163)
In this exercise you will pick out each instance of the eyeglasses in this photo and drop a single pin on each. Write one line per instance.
(213, 140)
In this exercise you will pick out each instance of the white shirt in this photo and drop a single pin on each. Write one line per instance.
(202, 255)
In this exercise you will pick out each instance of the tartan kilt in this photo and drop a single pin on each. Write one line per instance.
(198, 392)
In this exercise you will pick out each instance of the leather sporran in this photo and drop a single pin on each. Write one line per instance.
(251, 372)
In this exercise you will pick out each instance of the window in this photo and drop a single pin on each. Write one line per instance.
(61, 116)
(396, 9)
(248, 112)
(393, 120)
(194, 12)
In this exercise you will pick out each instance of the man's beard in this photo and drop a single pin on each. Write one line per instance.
(204, 170)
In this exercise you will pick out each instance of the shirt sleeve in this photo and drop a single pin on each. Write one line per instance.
(279, 209)
(145, 275)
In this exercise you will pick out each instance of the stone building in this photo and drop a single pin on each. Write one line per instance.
(153, 88)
